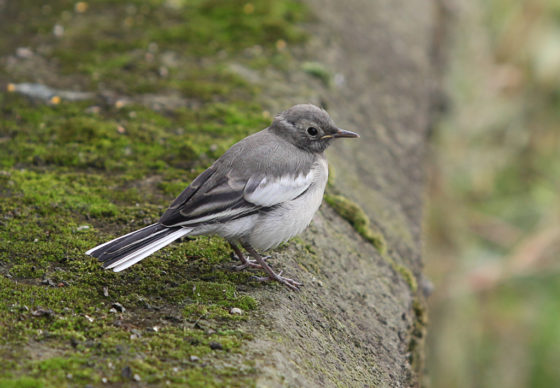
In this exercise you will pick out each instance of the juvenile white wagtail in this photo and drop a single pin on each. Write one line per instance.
(263, 191)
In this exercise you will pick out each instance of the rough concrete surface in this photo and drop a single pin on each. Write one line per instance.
(358, 328)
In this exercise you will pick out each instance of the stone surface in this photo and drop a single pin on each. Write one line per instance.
(363, 327)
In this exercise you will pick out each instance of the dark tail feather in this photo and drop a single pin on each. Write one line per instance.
(127, 250)
(119, 247)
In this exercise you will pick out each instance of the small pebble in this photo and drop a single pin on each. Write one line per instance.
(105, 291)
(48, 282)
(137, 377)
(24, 52)
(119, 307)
(215, 345)
(194, 359)
(40, 312)
(104, 380)
(318, 282)
(58, 30)
(236, 311)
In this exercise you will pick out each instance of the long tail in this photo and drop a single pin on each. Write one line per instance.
(127, 250)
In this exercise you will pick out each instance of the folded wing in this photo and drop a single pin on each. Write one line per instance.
(222, 197)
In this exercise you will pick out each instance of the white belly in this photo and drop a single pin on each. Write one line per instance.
(291, 218)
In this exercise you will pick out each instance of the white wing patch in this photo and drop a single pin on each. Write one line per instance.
(271, 192)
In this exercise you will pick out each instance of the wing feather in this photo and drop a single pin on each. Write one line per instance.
(216, 199)
(248, 178)
(273, 191)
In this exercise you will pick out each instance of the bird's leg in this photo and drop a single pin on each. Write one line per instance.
(290, 283)
(244, 261)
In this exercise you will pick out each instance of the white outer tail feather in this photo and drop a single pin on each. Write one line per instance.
(143, 252)
(146, 251)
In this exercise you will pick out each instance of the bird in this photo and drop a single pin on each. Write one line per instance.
(261, 192)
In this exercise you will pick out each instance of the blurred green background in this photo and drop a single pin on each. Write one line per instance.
(493, 217)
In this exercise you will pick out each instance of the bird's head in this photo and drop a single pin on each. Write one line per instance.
(308, 127)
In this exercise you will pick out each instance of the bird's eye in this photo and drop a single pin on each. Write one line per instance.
(312, 131)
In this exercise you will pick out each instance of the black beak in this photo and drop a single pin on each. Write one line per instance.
(345, 133)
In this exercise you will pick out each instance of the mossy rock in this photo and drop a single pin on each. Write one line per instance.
(76, 173)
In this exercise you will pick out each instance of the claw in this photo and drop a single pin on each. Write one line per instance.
(249, 263)
(290, 283)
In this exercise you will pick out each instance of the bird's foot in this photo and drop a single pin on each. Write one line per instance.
(245, 262)
(290, 283)
(248, 263)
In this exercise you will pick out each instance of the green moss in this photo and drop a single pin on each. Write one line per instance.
(157, 40)
(352, 213)
(76, 174)
(135, 140)
(55, 210)
(407, 275)
(43, 213)
(318, 71)
(22, 382)
(418, 335)
(26, 270)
